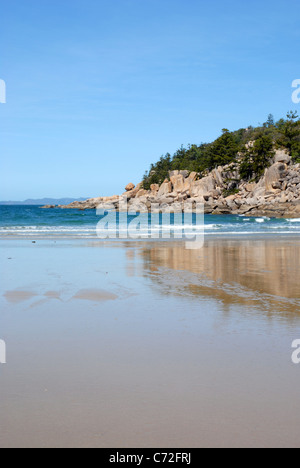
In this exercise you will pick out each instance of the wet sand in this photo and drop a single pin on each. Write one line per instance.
(150, 345)
(95, 295)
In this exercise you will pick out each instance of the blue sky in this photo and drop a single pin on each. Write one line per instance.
(99, 89)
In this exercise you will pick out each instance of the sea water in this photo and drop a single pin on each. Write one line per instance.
(32, 221)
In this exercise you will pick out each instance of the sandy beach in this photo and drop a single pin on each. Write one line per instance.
(147, 344)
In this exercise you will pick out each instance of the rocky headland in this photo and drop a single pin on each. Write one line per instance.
(276, 194)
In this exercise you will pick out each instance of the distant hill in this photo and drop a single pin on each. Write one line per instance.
(42, 201)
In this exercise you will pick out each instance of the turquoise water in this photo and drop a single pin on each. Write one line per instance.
(32, 221)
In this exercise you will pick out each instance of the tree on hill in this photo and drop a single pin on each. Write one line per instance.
(290, 134)
(223, 151)
(257, 158)
(158, 172)
(270, 121)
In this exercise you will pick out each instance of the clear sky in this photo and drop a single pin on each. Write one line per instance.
(99, 89)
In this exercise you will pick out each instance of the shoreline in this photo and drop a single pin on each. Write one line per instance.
(282, 211)
(208, 237)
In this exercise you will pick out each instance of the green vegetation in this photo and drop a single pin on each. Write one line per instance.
(227, 193)
(222, 151)
(290, 134)
(252, 148)
(257, 158)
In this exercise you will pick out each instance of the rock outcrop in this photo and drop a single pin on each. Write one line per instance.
(129, 187)
(276, 194)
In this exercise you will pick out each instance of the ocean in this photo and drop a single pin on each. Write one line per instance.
(32, 221)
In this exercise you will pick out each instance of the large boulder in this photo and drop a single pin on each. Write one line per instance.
(189, 181)
(173, 173)
(217, 174)
(165, 188)
(202, 186)
(250, 187)
(165, 200)
(281, 156)
(193, 176)
(273, 174)
(154, 188)
(129, 187)
(177, 182)
(141, 193)
(259, 192)
(184, 174)
(133, 192)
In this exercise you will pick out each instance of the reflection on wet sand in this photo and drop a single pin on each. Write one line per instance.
(258, 273)
(147, 344)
